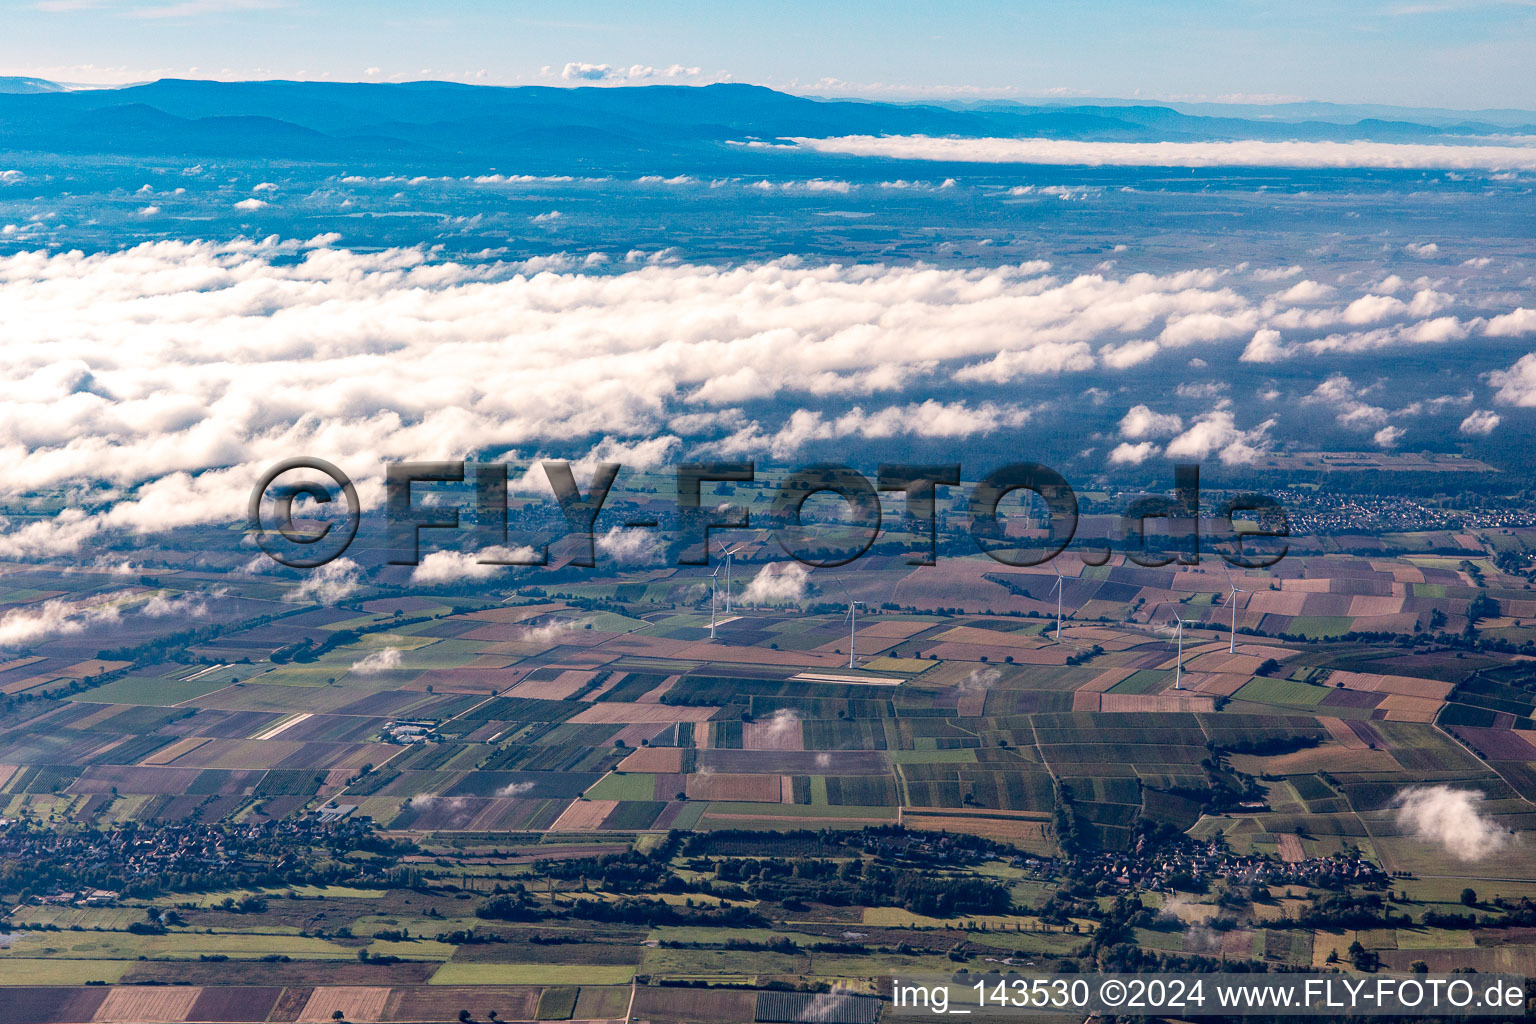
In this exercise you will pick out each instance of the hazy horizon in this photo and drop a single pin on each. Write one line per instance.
(1453, 54)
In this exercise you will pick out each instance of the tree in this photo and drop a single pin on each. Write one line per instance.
(463, 1015)
(1362, 958)
(1481, 607)
(1469, 897)
(338, 1015)
(1419, 967)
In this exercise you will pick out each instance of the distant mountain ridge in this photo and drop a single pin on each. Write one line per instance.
(1305, 110)
(456, 126)
(19, 86)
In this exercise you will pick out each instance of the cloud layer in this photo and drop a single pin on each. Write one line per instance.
(1244, 153)
(156, 383)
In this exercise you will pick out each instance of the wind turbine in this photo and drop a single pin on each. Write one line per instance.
(1060, 580)
(853, 621)
(714, 599)
(729, 558)
(1178, 664)
(1232, 636)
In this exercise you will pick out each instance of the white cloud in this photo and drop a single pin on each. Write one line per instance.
(379, 661)
(1371, 308)
(1201, 389)
(629, 547)
(925, 419)
(782, 724)
(1480, 423)
(1440, 404)
(1128, 454)
(614, 74)
(810, 185)
(1452, 818)
(1245, 153)
(452, 566)
(1141, 422)
(552, 632)
(1066, 193)
(1265, 347)
(777, 583)
(1422, 249)
(1132, 353)
(1427, 332)
(1388, 436)
(1189, 328)
(1340, 394)
(1217, 431)
(502, 179)
(1433, 332)
(1512, 324)
(330, 583)
(22, 626)
(183, 606)
(250, 204)
(1276, 273)
(1303, 291)
(1517, 385)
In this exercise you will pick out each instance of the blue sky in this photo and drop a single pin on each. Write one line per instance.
(1454, 53)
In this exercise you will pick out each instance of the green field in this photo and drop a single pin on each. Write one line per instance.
(531, 974)
(623, 786)
(16, 970)
(1263, 690)
(1321, 625)
(151, 691)
(1144, 681)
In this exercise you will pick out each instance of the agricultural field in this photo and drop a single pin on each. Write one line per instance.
(554, 801)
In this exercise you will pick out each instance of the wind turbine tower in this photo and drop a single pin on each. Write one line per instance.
(1060, 580)
(853, 622)
(730, 554)
(1232, 636)
(1178, 664)
(714, 600)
